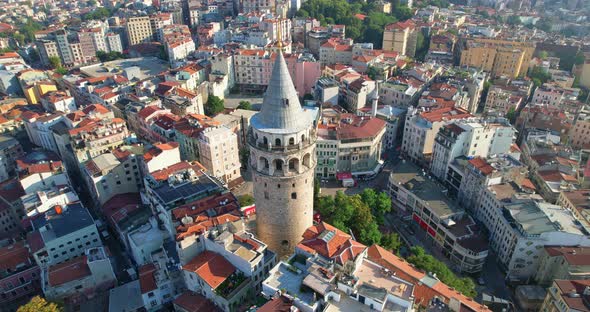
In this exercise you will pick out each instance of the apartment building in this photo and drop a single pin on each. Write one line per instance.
(253, 69)
(114, 172)
(218, 152)
(471, 139)
(401, 37)
(35, 84)
(10, 150)
(348, 143)
(578, 202)
(65, 232)
(421, 128)
(567, 296)
(19, 275)
(563, 263)
(445, 224)
(579, 134)
(79, 278)
(61, 101)
(139, 30)
(39, 129)
(500, 57)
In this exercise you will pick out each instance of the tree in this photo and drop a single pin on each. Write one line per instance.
(544, 24)
(54, 62)
(420, 259)
(372, 72)
(60, 70)
(38, 304)
(110, 56)
(245, 200)
(511, 115)
(245, 105)
(391, 242)
(539, 76)
(214, 106)
(19, 38)
(244, 157)
(543, 55)
(513, 20)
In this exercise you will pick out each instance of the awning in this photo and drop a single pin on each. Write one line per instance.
(343, 175)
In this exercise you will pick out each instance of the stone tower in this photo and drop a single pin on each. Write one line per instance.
(282, 141)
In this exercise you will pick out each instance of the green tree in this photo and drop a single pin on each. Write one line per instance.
(544, 24)
(391, 242)
(513, 20)
(420, 259)
(60, 70)
(38, 304)
(19, 38)
(539, 76)
(543, 55)
(372, 72)
(214, 106)
(110, 56)
(54, 62)
(246, 200)
(511, 115)
(245, 105)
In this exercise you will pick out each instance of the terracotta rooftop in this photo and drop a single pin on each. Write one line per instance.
(331, 243)
(71, 270)
(213, 268)
(163, 174)
(192, 302)
(447, 113)
(13, 256)
(147, 280)
(482, 165)
(572, 255)
(577, 303)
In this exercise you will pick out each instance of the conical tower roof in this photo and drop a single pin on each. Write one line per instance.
(280, 107)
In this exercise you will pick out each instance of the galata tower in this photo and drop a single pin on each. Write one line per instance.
(282, 141)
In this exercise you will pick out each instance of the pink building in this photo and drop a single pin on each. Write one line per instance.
(20, 274)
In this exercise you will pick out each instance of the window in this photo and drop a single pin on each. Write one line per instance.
(151, 294)
(293, 195)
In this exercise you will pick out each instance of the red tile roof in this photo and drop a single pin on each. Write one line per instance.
(192, 302)
(147, 280)
(12, 256)
(163, 174)
(579, 302)
(98, 108)
(573, 255)
(213, 268)
(447, 113)
(279, 304)
(331, 243)
(68, 271)
(148, 111)
(482, 165)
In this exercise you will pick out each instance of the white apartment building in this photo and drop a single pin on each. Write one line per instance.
(399, 94)
(179, 50)
(445, 224)
(113, 42)
(87, 274)
(39, 130)
(67, 231)
(55, 101)
(43, 200)
(470, 139)
(112, 173)
(548, 95)
(521, 224)
(144, 241)
(421, 129)
(218, 152)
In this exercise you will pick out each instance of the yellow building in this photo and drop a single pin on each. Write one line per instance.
(500, 57)
(35, 84)
(139, 30)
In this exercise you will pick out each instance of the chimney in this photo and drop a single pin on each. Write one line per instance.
(59, 209)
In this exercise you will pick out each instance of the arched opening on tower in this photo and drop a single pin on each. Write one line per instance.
(277, 142)
(278, 165)
(293, 165)
(264, 141)
(263, 163)
(307, 160)
(302, 138)
(291, 141)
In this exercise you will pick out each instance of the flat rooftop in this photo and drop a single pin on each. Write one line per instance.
(126, 297)
(72, 218)
(537, 218)
(410, 177)
(284, 278)
(148, 67)
(373, 275)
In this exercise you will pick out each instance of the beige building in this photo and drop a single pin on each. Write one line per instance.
(400, 37)
(218, 149)
(139, 30)
(558, 262)
(585, 72)
(500, 57)
(579, 134)
(566, 296)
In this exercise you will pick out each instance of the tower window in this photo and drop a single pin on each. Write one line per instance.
(292, 141)
(265, 195)
(278, 142)
(278, 186)
(286, 102)
(293, 195)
